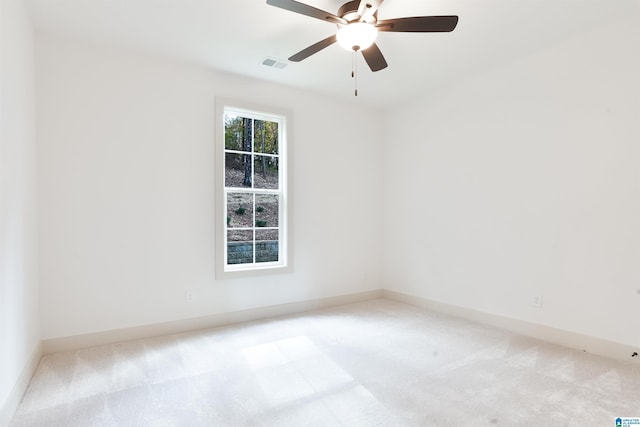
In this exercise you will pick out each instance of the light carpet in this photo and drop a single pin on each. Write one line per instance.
(376, 363)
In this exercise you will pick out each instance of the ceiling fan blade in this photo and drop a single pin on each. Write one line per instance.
(374, 58)
(314, 48)
(305, 9)
(368, 8)
(419, 24)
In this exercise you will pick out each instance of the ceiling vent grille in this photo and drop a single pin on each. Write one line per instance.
(274, 63)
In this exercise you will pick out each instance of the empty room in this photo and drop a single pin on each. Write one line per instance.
(319, 213)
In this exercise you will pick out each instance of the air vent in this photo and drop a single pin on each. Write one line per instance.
(274, 63)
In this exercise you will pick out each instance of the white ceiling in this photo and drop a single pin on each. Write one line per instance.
(236, 35)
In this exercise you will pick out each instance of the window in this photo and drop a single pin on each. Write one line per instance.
(251, 188)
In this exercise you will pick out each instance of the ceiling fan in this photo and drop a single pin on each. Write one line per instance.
(358, 26)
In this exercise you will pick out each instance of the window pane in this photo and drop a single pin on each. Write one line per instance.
(239, 247)
(267, 210)
(266, 245)
(265, 137)
(237, 170)
(266, 172)
(239, 210)
(237, 133)
(250, 196)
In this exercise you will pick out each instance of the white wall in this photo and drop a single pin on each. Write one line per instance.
(19, 334)
(126, 174)
(525, 181)
(519, 182)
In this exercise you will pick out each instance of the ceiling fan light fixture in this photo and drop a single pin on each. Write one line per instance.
(357, 36)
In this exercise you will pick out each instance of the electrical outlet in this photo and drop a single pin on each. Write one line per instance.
(188, 296)
(536, 301)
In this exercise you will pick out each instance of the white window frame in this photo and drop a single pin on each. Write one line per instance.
(224, 270)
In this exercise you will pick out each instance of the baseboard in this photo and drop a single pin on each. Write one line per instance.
(75, 342)
(570, 339)
(562, 337)
(9, 407)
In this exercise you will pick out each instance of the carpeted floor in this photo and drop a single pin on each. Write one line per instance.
(377, 363)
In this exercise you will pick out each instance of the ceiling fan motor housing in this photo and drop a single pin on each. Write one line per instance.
(349, 12)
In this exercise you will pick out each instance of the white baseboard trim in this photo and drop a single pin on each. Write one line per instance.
(10, 405)
(549, 334)
(75, 342)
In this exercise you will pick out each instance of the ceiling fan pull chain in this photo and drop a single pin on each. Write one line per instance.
(354, 70)
(353, 65)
